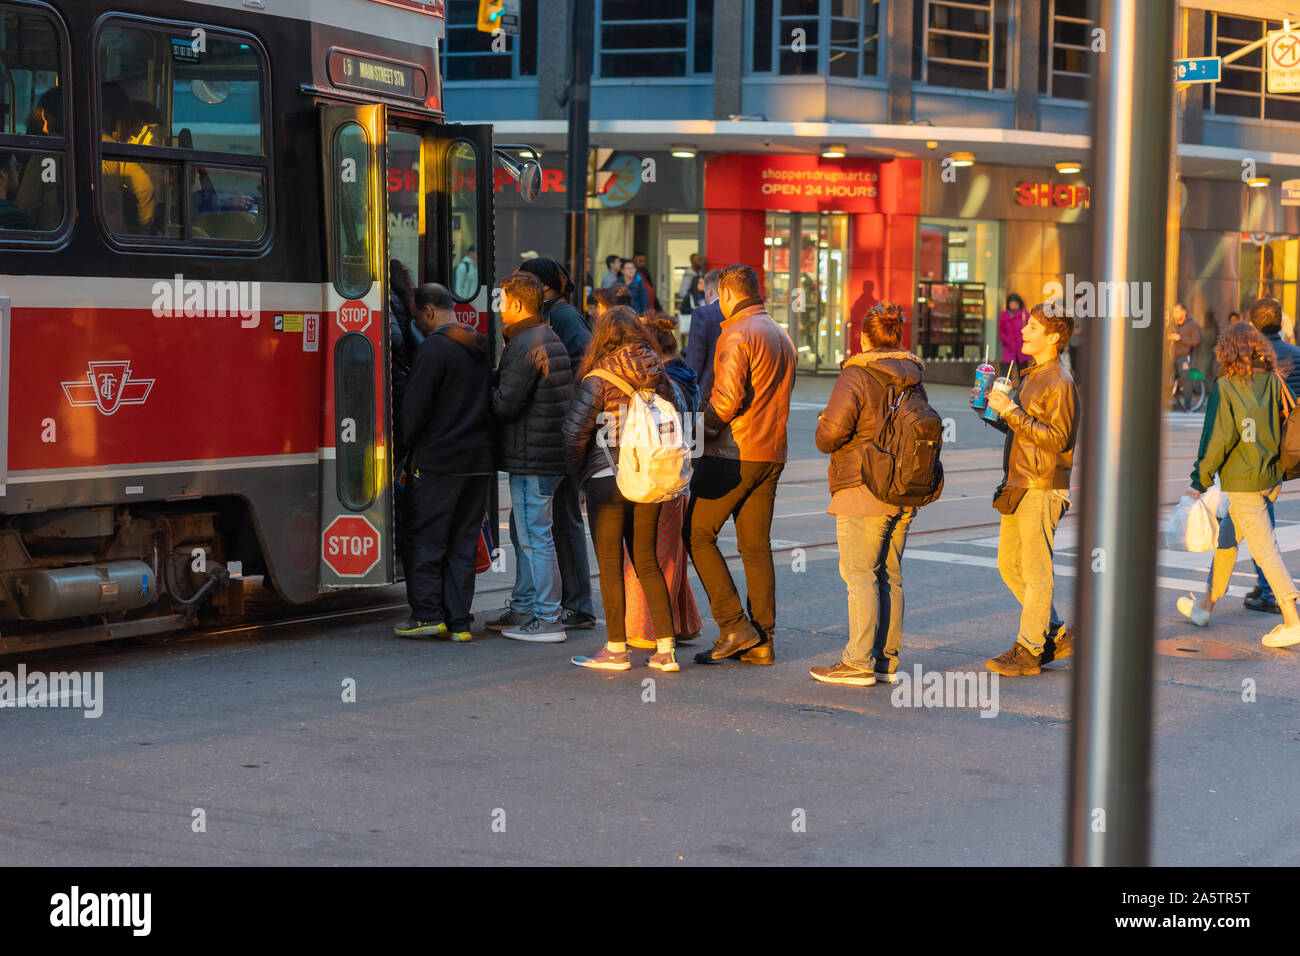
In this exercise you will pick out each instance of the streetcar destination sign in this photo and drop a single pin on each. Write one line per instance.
(357, 72)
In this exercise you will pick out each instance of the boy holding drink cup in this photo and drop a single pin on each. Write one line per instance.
(1041, 428)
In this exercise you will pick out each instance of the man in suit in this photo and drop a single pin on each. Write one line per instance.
(706, 324)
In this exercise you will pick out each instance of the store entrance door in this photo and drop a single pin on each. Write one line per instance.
(805, 258)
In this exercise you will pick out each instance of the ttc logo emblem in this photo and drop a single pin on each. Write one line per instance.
(108, 386)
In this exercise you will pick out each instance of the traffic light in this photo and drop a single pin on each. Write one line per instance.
(489, 15)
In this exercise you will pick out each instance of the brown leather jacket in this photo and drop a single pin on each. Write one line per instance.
(1042, 428)
(753, 375)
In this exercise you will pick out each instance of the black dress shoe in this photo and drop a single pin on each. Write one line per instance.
(1259, 604)
(729, 645)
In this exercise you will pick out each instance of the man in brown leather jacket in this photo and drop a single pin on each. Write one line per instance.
(744, 455)
(1041, 430)
(1186, 335)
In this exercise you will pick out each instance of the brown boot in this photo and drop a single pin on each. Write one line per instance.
(1017, 662)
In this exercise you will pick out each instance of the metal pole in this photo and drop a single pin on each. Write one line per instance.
(575, 225)
(1110, 753)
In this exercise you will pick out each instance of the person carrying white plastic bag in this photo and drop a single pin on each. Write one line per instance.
(1240, 442)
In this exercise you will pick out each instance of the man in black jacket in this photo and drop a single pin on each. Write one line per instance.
(534, 387)
(576, 608)
(447, 424)
(706, 326)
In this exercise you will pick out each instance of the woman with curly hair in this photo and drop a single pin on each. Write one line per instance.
(1241, 442)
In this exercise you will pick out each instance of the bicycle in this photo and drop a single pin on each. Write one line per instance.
(1196, 388)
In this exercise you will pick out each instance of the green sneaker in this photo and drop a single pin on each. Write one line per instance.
(420, 629)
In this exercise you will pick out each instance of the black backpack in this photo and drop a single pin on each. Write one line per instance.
(900, 463)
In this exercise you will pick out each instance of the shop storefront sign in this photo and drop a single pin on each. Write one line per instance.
(1291, 192)
(791, 183)
(1061, 195)
(1005, 192)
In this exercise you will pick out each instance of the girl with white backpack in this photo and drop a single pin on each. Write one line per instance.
(624, 441)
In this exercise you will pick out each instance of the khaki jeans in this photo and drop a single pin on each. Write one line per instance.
(1025, 562)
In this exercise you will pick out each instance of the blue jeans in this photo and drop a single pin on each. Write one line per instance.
(871, 553)
(537, 571)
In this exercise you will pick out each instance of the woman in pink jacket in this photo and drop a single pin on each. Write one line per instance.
(1010, 323)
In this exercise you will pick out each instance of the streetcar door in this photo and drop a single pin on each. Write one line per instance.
(357, 534)
(459, 249)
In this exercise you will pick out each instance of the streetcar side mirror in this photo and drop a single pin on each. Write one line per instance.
(526, 174)
(530, 180)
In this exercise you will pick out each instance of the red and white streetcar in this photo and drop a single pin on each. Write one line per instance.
(198, 205)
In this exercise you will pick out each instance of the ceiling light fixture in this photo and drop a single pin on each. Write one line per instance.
(834, 150)
(1259, 182)
(682, 151)
(1069, 167)
(962, 159)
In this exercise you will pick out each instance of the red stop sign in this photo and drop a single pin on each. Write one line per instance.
(350, 546)
(354, 316)
(467, 316)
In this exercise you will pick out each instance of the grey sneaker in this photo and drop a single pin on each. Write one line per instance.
(537, 631)
(576, 620)
(510, 618)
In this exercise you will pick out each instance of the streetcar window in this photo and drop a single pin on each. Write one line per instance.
(33, 182)
(354, 412)
(352, 211)
(462, 168)
(182, 135)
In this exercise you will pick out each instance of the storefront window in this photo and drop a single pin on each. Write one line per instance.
(805, 259)
(958, 292)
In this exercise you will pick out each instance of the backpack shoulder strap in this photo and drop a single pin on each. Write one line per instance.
(612, 379)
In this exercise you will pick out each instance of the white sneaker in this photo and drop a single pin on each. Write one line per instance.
(1189, 609)
(1283, 635)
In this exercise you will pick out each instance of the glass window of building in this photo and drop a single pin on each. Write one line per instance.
(1243, 91)
(467, 53)
(961, 43)
(667, 38)
(1067, 40)
(815, 37)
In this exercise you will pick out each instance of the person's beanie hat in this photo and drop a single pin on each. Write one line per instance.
(550, 273)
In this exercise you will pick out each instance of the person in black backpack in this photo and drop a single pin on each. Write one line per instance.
(871, 533)
(1041, 430)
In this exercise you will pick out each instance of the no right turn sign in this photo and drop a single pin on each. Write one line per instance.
(1283, 53)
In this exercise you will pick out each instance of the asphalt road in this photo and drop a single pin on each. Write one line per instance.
(499, 753)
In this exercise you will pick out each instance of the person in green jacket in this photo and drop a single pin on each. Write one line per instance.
(1243, 448)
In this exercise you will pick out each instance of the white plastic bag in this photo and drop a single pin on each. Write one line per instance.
(1216, 499)
(1194, 526)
